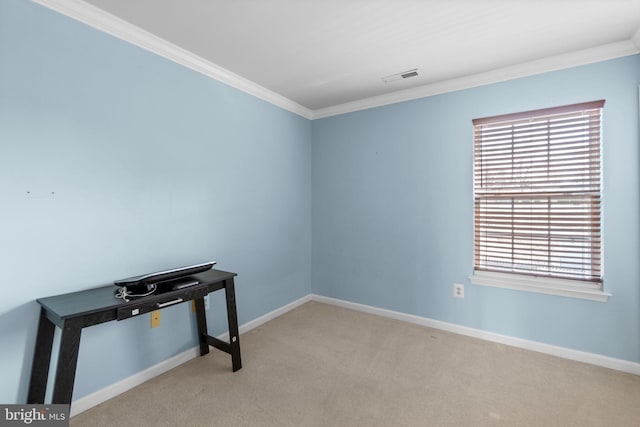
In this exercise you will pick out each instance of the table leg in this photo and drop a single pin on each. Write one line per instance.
(67, 361)
(41, 359)
(232, 318)
(201, 318)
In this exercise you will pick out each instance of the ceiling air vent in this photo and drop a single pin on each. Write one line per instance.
(401, 76)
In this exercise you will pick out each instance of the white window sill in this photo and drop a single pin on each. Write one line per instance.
(544, 285)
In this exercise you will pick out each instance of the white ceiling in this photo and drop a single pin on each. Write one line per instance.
(325, 53)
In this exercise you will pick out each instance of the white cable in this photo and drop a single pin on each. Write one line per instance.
(125, 294)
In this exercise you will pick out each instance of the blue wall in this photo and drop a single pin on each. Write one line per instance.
(116, 162)
(393, 210)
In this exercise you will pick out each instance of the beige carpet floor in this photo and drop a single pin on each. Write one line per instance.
(321, 365)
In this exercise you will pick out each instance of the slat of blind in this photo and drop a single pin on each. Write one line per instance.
(582, 265)
(542, 253)
(584, 197)
(518, 192)
(524, 153)
(534, 217)
(578, 163)
(537, 151)
(537, 190)
(542, 112)
(528, 229)
(577, 157)
(539, 255)
(539, 214)
(566, 264)
(534, 120)
(545, 123)
(537, 218)
(566, 253)
(531, 229)
(537, 184)
(550, 224)
(536, 255)
(540, 245)
(499, 136)
(495, 138)
(502, 137)
(534, 185)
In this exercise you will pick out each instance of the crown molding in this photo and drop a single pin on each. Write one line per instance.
(636, 38)
(552, 63)
(110, 24)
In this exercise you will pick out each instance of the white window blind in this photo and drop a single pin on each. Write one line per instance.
(537, 196)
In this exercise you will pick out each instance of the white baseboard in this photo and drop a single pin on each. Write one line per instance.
(565, 353)
(89, 401)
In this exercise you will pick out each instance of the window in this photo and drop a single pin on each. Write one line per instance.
(537, 201)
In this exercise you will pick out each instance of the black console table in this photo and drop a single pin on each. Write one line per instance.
(74, 311)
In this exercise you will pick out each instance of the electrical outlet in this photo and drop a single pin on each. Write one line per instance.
(155, 318)
(458, 290)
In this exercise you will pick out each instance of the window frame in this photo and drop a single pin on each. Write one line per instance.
(585, 288)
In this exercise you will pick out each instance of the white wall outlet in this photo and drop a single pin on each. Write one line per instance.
(206, 302)
(458, 290)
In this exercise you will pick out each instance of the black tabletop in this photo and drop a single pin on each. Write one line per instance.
(103, 298)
